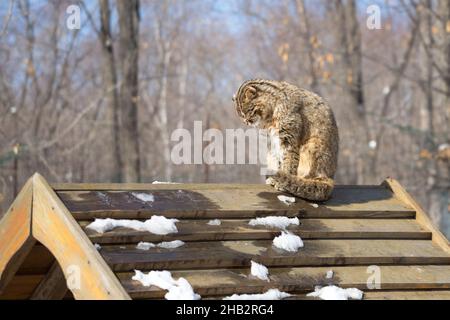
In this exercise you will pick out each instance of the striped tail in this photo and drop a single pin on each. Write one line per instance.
(315, 189)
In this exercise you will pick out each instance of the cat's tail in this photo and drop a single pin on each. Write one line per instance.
(315, 189)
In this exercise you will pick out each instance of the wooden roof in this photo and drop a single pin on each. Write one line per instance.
(359, 227)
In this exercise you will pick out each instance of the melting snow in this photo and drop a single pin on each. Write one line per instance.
(144, 197)
(162, 182)
(215, 222)
(275, 222)
(177, 289)
(336, 293)
(165, 245)
(272, 294)
(288, 241)
(260, 271)
(171, 245)
(145, 246)
(287, 200)
(156, 224)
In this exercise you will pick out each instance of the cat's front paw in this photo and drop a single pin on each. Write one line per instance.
(271, 181)
(275, 182)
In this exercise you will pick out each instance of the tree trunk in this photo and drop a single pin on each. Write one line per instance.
(128, 12)
(305, 31)
(111, 87)
(351, 49)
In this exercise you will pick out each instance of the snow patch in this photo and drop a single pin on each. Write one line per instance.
(97, 246)
(162, 182)
(166, 245)
(144, 197)
(287, 200)
(215, 222)
(260, 271)
(272, 294)
(170, 245)
(275, 222)
(145, 246)
(336, 293)
(177, 289)
(315, 205)
(288, 242)
(156, 224)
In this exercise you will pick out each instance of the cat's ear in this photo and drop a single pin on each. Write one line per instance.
(250, 93)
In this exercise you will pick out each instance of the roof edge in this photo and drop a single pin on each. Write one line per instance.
(421, 216)
(87, 274)
(15, 234)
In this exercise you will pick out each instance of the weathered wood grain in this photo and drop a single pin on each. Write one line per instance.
(421, 217)
(210, 283)
(408, 295)
(226, 254)
(199, 230)
(15, 235)
(54, 227)
(52, 287)
(415, 295)
(188, 202)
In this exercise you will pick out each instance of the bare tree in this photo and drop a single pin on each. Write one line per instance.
(128, 12)
(349, 40)
(305, 32)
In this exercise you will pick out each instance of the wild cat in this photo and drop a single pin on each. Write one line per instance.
(303, 132)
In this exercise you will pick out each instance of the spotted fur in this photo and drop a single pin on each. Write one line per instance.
(303, 128)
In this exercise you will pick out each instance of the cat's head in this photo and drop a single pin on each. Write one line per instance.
(253, 103)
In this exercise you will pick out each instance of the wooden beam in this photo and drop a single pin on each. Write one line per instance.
(15, 235)
(254, 201)
(234, 254)
(421, 216)
(199, 230)
(175, 186)
(53, 286)
(223, 282)
(54, 226)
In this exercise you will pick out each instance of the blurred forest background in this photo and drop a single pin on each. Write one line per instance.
(99, 103)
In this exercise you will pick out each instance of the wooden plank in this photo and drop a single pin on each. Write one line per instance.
(199, 230)
(54, 227)
(15, 235)
(408, 295)
(225, 254)
(52, 287)
(394, 295)
(21, 287)
(421, 216)
(149, 186)
(241, 214)
(174, 186)
(375, 202)
(222, 282)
